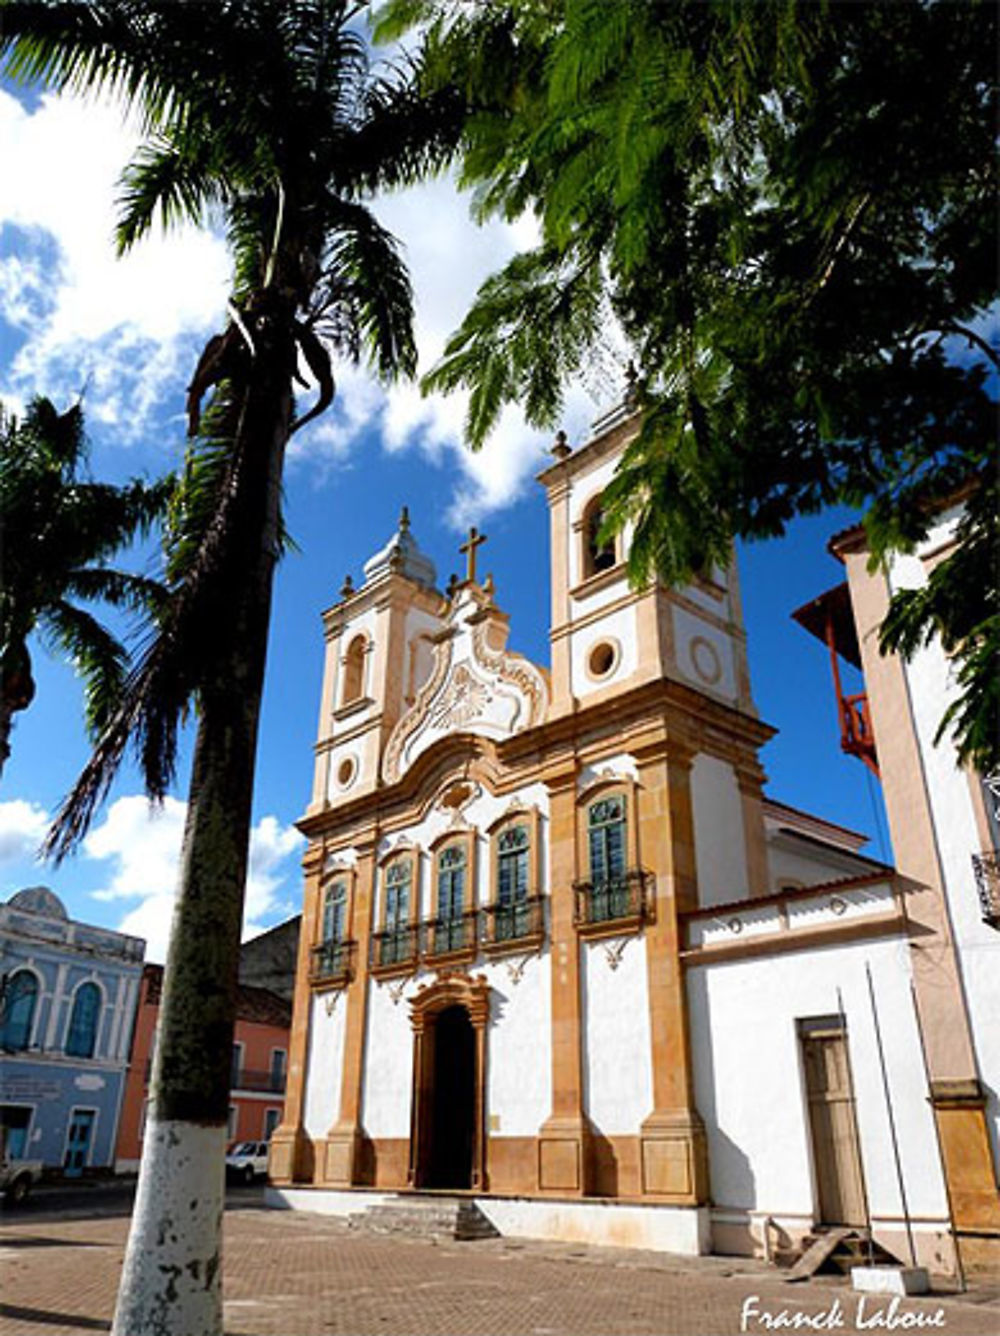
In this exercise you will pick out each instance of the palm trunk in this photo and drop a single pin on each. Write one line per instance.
(171, 1283)
(6, 720)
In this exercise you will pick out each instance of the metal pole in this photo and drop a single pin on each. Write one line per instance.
(854, 1114)
(940, 1149)
(892, 1118)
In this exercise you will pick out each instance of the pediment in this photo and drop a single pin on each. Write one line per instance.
(475, 686)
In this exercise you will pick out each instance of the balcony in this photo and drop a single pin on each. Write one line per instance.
(613, 905)
(513, 927)
(269, 1082)
(331, 964)
(240, 1079)
(987, 869)
(857, 737)
(453, 938)
(395, 951)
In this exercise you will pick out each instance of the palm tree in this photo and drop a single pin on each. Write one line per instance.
(265, 113)
(57, 531)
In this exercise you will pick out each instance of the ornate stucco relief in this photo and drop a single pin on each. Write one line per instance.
(473, 687)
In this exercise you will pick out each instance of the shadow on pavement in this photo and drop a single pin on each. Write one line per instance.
(45, 1317)
(41, 1241)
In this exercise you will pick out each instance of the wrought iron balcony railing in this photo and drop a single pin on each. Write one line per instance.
(444, 935)
(987, 869)
(332, 962)
(395, 947)
(243, 1079)
(523, 920)
(619, 899)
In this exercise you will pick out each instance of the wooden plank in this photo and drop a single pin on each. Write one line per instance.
(817, 1253)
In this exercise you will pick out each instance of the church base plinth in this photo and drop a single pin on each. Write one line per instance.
(340, 1157)
(565, 1158)
(674, 1158)
(289, 1158)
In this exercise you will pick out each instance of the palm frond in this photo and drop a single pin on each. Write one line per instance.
(96, 655)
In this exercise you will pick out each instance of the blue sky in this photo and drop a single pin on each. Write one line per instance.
(128, 334)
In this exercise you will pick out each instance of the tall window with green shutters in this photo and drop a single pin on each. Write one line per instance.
(398, 894)
(608, 871)
(451, 928)
(510, 914)
(334, 925)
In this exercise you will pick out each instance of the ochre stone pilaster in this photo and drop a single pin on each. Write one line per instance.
(289, 1148)
(562, 694)
(341, 1151)
(674, 1158)
(564, 1156)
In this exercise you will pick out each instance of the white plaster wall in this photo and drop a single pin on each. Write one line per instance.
(324, 1066)
(617, 1068)
(519, 1044)
(388, 1073)
(621, 766)
(420, 624)
(720, 847)
(671, 1229)
(749, 1085)
(931, 686)
(687, 629)
(620, 626)
(804, 867)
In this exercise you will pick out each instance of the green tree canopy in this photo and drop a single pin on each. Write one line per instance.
(58, 531)
(790, 208)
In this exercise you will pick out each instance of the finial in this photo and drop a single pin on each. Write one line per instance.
(475, 540)
(452, 585)
(404, 520)
(631, 385)
(561, 448)
(489, 588)
(347, 588)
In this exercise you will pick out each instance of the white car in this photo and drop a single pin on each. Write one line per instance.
(246, 1161)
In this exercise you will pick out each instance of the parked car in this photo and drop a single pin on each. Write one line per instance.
(16, 1178)
(247, 1160)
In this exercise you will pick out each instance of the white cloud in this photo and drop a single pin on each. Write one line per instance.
(22, 827)
(129, 330)
(143, 843)
(126, 328)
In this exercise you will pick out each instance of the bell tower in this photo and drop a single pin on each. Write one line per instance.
(608, 637)
(379, 651)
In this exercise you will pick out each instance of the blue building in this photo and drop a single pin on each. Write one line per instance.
(67, 1007)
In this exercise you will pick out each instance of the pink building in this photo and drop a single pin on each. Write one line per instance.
(260, 1059)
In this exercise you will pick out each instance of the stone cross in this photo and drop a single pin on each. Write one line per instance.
(474, 541)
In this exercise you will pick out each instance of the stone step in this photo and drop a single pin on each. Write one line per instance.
(428, 1217)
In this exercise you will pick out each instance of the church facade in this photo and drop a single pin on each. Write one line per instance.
(560, 951)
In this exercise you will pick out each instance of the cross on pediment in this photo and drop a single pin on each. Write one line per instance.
(469, 548)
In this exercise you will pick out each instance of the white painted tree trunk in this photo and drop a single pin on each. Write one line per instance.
(171, 1281)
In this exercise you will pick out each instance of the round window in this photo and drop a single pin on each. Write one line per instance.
(602, 659)
(346, 771)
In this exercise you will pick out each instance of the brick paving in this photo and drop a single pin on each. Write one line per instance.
(297, 1274)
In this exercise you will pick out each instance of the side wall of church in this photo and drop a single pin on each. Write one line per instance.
(751, 1091)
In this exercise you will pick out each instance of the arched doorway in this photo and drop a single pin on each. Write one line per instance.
(452, 1100)
(447, 1135)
